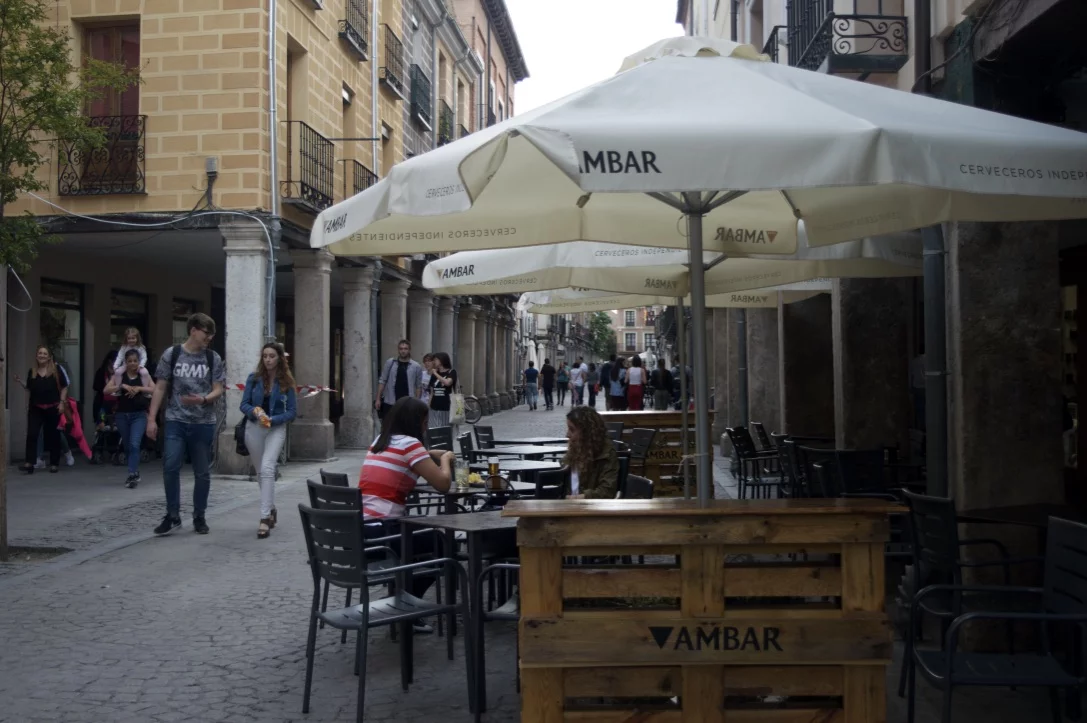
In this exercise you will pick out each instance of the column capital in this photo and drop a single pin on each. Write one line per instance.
(243, 238)
(470, 311)
(446, 303)
(420, 298)
(318, 260)
(359, 278)
(395, 287)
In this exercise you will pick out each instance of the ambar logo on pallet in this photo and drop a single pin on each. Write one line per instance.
(716, 637)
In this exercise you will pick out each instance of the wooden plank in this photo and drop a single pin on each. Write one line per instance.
(715, 508)
(703, 697)
(620, 551)
(541, 581)
(865, 694)
(541, 695)
(693, 530)
(862, 578)
(782, 580)
(624, 716)
(786, 680)
(805, 611)
(788, 715)
(640, 581)
(702, 592)
(627, 682)
(813, 549)
(659, 640)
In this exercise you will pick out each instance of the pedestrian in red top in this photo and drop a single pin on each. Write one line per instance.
(391, 471)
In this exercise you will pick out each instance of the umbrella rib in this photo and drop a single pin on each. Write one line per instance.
(668, 199)
(718, 202)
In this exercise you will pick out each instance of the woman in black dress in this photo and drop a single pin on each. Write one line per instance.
(47, 388)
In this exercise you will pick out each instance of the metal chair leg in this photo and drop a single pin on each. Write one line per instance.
(311, 643)
(360, 662)
(324, 603)
(343, 634)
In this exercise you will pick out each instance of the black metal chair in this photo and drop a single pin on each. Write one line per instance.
(337, 553)
(510, 611)
(441, 438)
(551, 484)
(466, 447)
(1063, 601)
(638, 488)
(484, 436)
(615, 430)
(624, 472)
(641, 441)
(751, 465)
(765, 444)
(337, 479)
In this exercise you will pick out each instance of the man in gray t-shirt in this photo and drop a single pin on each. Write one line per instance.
(192, 376)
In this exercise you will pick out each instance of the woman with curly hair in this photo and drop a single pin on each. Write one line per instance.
(591, 458)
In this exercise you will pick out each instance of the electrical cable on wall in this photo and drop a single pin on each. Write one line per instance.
(25, 291)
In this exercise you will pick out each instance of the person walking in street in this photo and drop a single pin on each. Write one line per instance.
(46, 386)
(661, 380)
(617, 393)
(270, 403)
(190, 378)
(133, 387)
(547, 380)
(605, 381)
(591, 457)
(443, 383)
(401, 377)
(532, 387)
(635, 385)
(562, 379)
(428, 375)
(133, 340)
(578, 372)
(592, 384)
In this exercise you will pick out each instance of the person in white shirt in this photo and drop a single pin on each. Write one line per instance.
(635, 385)
(578, 371)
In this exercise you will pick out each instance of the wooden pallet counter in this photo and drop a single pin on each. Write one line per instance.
(735, 602)
(663, 464)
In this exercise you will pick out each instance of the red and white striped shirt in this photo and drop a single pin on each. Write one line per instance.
(387, 477)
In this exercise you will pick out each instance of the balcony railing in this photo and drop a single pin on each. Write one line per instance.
(356, 178)
(445, 123)
(117, 167)
(392, 72)
(491, 119)
(421, 99)
(857, 43)
(311, 168)
(462, 131)
(773, 43)
(355, 27)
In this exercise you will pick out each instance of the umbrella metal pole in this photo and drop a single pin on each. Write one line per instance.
(695, 216)
(741, 367)
(681, 320)
(935, 361)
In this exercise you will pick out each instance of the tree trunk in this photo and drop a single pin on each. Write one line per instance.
(3, 410)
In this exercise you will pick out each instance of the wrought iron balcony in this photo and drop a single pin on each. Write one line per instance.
(491, 119)
(421, 98)
(356, 178)
(117, 167)
(311, 169)
(445, 123)
(462, 131)
(848, 43)
(773, 43)
(355, 27)
(391, 74)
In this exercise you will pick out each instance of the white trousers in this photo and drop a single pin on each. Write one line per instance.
(264, 447)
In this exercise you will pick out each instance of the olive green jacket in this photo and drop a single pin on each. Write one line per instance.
(601, 480)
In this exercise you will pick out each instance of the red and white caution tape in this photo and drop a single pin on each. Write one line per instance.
(305, 391)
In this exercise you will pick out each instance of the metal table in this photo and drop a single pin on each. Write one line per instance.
(559, 441)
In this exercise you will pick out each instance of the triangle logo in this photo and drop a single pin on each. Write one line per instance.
(660, 634)
(772, 234)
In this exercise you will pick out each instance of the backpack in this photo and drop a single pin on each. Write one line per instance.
(174, 353)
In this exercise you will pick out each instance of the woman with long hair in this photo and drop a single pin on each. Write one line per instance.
(269, 402)
(635, 385)
(590, 457)
(47, 388)
(390, 472)
(443, 382)
(134, 387)
(616, 385)
(562, 383)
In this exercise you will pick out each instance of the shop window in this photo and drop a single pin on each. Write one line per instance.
(61, 329)
(182, 309)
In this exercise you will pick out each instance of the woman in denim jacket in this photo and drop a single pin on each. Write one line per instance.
(269, 402)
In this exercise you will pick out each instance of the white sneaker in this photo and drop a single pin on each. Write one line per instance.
(40, 464)
(69, 459)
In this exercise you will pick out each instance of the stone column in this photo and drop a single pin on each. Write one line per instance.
(357, 423)
(513, 356)
(807, 367)
(493, 323)
(763, 381)
(871, 322)
(502, 360)
(312, 433)
(443, 339)
(466, 347)
(421, 313)
(479, 357)
(246, 313)
(721, 388)
(1004, 348)
(394, 316)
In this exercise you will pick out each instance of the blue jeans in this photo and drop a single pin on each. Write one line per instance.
(532, 393)
(131, 426)
(196, 439)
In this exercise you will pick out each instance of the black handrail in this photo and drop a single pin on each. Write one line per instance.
(356, 25)
(116, 167)
(361, 177)
(421, 96)
(491, 119)
(773, 43)
(316, 167)
(392, 72)
(445, 123)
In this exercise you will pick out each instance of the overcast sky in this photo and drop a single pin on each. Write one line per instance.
(569, 44)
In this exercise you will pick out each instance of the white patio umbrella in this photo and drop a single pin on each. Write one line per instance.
(574, 301)
(692, 124)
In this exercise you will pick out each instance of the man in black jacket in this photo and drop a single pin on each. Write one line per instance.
(547, 381)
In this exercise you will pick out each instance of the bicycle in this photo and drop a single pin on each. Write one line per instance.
(473, 410)
(519, 391)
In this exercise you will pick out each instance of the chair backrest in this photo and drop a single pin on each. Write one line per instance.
(809, 456)
(641, 440)
(862, 470)
(441, 438)
(778, 439)
(484, 436)
(551, 484)
(334, 546)
(935, 532)
(764, 438)
(741, 442)
(638, 488)
(825, 479)
(334, 497)
(465, 441)
(1066, 568)
(624, 473)
(615, 430)
(338, 479)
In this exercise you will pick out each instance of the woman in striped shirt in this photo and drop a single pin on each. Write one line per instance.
(391, 471)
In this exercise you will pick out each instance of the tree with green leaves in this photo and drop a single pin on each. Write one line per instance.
(602, 339)
(43, 95)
